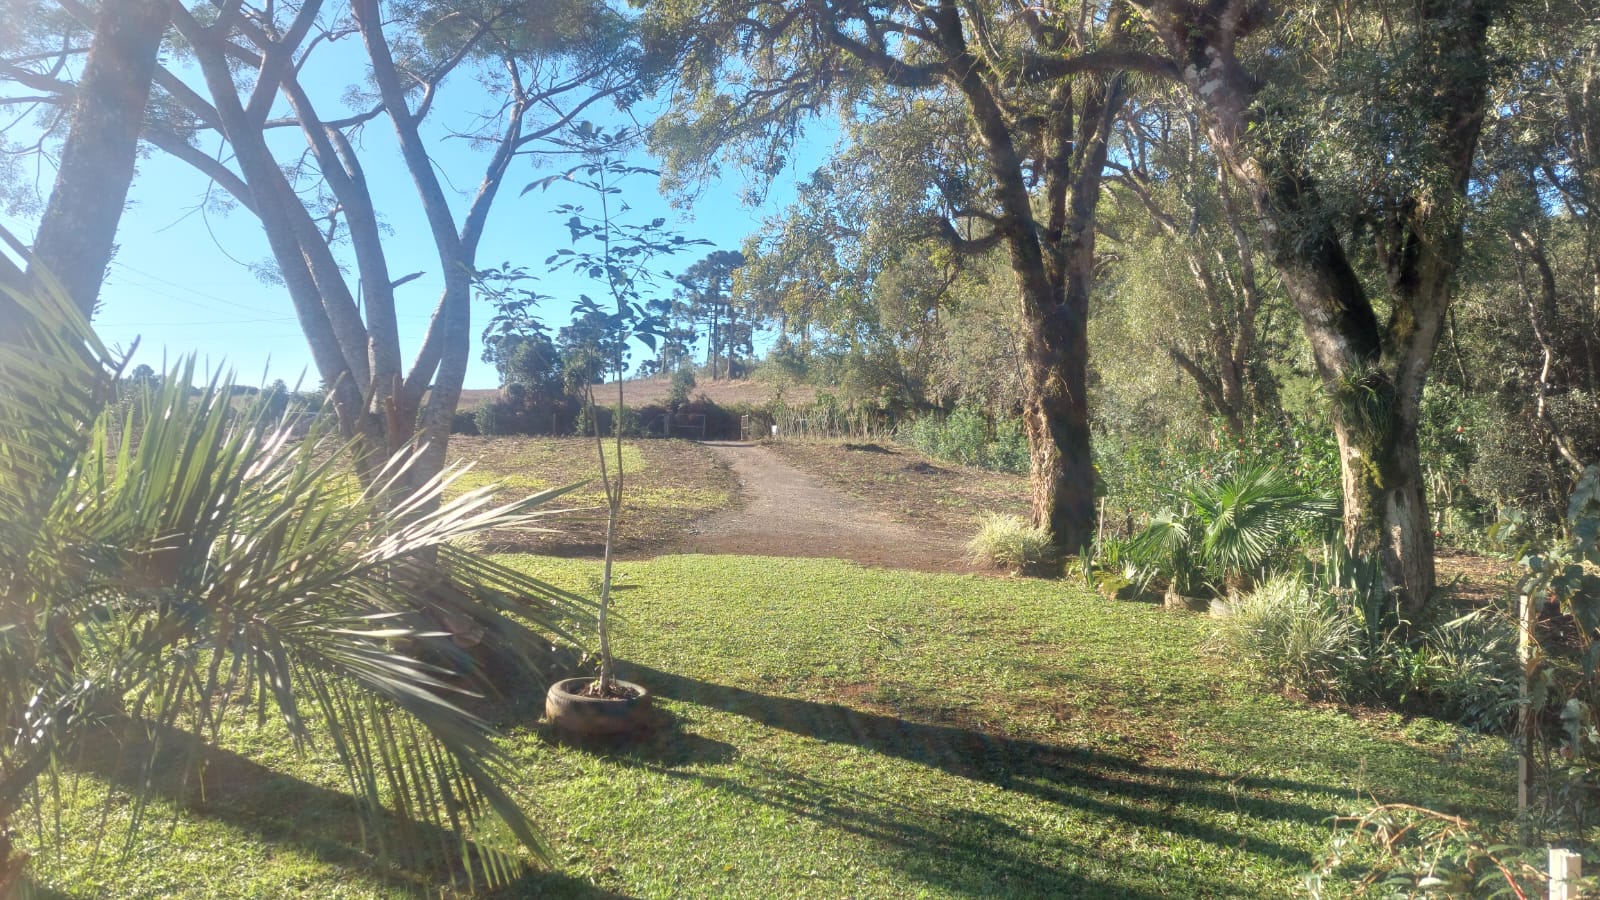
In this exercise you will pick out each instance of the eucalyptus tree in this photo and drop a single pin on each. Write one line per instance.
(1353, 131)
(248, 81)
(1210, 315)
(1040, 86)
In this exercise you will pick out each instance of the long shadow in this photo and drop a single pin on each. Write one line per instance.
(285, 810)
(1144, 796)
(963, 851)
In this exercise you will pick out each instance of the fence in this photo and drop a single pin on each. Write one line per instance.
(690, 425)
(820, 422)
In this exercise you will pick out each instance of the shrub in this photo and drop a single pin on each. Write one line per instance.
(1475, 673)
(678, 388)
(964, 437)
(465, 421)
(1292, 637)
(494, 418)
(1009, 542)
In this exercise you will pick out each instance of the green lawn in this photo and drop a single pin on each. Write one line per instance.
(835, 731)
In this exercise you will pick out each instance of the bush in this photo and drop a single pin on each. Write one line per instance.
(465, 421)
(494, 418)
(1291, 636)
(966, 438)
(678, 388)
(1009, 542)
(1474, 674)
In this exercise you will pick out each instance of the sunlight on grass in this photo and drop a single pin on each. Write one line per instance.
(840, 731)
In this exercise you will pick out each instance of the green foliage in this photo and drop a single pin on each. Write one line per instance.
(465, 421)
(1230, 528)
(1249, 517)
(679, 386)
(1330, 631)
(967, 437)
(1009, 542)
(1399, 850)
(1138, 475)
(1291, 636)
(183, 568)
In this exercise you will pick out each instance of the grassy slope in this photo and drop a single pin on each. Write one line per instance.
(669, 485)
(866, 733)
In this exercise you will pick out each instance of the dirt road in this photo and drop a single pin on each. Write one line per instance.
(786, 512)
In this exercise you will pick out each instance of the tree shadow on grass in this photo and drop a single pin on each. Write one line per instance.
(281, 809)
(1160, 798)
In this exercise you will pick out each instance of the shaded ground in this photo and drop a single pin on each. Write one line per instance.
(828, 730)
(785, 511)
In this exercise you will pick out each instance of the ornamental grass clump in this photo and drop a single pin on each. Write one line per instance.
(1292, 636)
(1009, 542)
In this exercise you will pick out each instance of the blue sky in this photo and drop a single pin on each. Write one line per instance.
(181, 281)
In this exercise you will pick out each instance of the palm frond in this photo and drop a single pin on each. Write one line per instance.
(179, 563)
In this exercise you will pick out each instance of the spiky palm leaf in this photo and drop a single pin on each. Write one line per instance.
(1246, 516)
(170, 563)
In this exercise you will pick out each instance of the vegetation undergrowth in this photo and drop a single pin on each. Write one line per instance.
(1009, 542)
(936, 736)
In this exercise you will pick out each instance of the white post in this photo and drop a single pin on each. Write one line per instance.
(1566, 868)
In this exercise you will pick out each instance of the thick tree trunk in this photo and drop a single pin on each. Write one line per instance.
(76, 235)
(1385, 506)
(1056, 416)
(1375, 373)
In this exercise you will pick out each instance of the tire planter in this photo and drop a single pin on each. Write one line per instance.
(575, 715)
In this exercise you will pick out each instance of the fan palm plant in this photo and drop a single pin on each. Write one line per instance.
(171, 564)
(1248, 516)
(1227, 530)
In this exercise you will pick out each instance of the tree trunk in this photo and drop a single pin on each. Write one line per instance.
(76, 235)
(1056, 417)
(1374, 373)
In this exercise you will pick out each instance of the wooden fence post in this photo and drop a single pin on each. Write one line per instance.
(1566, 868)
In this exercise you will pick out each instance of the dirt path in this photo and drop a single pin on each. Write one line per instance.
(787, 512)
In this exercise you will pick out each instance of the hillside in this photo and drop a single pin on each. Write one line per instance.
(646, 391)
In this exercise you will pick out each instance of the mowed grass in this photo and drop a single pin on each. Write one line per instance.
(833, 731)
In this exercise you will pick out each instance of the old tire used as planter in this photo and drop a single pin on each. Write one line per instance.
(575, 715)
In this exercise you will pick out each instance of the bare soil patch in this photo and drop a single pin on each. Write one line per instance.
(938, 499)
(785, 511)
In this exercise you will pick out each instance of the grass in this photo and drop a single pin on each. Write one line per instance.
(837, 731)
(669, 485)
(1009, 542)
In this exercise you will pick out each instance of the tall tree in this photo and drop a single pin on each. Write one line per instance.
(542, 64)
(75, 239)
(1354, 133)
(1040, 87)
(1208, 319)
(707, 287)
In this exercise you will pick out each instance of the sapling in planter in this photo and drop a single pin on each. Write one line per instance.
(617, 255)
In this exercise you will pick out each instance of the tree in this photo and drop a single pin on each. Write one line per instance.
(1039, 89)
(707, 289)
(1386, 157)
(1206, 314)
(541, 71)
(166, 586)
(618, 256)
(80, 222)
